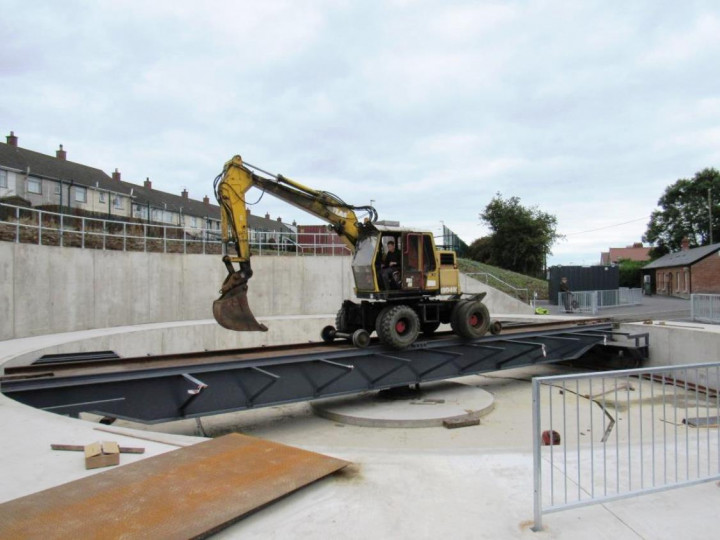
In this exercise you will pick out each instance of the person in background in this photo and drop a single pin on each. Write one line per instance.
(566, 294)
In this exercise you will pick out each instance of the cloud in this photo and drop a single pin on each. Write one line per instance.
(585, 110)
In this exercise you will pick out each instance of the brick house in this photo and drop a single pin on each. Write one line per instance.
(687, 271)
(636, 252)
(39, 180)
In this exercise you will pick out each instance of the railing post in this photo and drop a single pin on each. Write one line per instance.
(145, 237)
(537, 457)
(124, 236)
(39, 227)
(82, 233)
(17, 224)
(62, 227)
(164, 239)
(104, 233)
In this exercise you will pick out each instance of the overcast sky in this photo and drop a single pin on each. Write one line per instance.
(586, 110)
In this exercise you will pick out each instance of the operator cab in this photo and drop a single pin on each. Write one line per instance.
(393, 261)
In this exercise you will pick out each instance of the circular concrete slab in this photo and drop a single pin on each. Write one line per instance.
(430, 406)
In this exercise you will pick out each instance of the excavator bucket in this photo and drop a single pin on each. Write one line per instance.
(232, 311)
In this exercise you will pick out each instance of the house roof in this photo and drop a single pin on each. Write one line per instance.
(683, 258)
(631, 253)
(44, 166)
(52, 168)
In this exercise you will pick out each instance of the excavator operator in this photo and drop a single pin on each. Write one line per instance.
(391, 266)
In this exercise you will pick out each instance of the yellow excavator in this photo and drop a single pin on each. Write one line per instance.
(404, 284)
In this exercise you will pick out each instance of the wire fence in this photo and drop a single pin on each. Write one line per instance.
(593, 301)
(705, 308)
(606, 436)
(41, 227)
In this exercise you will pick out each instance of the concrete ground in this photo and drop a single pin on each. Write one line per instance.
(652, 307)
(472, 482)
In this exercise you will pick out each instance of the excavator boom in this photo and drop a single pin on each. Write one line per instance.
(232, 310)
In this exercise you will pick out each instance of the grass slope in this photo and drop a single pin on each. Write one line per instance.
(519, 281)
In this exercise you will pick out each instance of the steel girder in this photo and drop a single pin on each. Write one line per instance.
(161, 394)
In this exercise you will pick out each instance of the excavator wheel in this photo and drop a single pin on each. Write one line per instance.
(361, 338)
(454, 316)
(495, 327)
(328, 334)
(399, 326)
(473, 320)
(341, 321)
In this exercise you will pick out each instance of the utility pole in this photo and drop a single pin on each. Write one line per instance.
(710, 223)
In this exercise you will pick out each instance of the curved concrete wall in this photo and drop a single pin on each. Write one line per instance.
(47, 290)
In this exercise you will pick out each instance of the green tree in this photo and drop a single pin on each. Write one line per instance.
(520, 238)
(684, 212)
(631, 272)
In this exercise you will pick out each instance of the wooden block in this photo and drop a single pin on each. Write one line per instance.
(462, 422)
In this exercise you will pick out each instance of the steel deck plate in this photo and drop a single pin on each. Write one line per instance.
(187, 493)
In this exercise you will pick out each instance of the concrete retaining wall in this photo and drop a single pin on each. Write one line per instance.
(47, 290)
(678, 343)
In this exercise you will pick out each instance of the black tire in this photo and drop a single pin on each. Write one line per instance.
(328, 334)
(428, 328)
(361, 338)
(495, 328)
(454, 315)
(379, 318)
(342, 322)
(399, 327)
(473, 320)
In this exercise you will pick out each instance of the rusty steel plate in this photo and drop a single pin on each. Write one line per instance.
(187, 493)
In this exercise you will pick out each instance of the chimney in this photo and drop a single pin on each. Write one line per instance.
(267, 215)
(12, 139)
(206, 199)
(61, 154)
(184, 193)
(148, 183)
(685, 244)
(248, 212)
(116, 175)
(279, 219)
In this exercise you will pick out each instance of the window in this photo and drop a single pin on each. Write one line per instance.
(3, 179)
(117, 203)
(34, 185)
(80, 194)
(58, 189)
(102, 197)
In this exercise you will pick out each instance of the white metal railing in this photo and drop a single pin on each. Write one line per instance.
(31, 225)
(520, 293)
(611, 435)
(592, 301)
(705, 307)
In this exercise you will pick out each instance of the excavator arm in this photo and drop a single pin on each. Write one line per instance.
(231, 310)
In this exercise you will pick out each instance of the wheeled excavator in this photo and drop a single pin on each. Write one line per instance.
(398, 301)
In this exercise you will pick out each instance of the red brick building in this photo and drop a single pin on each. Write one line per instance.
(320, 240)
(636, 252)
(687, 271)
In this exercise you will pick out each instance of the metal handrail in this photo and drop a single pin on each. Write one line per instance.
(67, 226)
(516, 290)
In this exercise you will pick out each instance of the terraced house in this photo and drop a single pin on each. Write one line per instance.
(56, 184)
